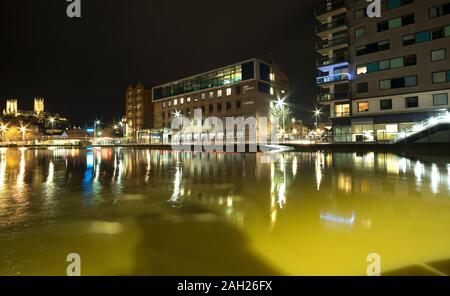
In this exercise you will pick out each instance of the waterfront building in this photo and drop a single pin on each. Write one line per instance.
(381, 76)
(245, 89)
(139, 110)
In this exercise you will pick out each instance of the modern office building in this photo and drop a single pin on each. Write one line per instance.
(381, 76)
(240, 90)
(139, 110)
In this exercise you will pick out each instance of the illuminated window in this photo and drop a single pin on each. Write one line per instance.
(229, 91)
(164, 104)
(175, 102)
(181, 101)
(272, 92)
(211, 95)
(272, 77)
(170, 103)
(363, 107)
(188, 99)
(361, 70)
(203, 97)
(219, 93)
(342, 110)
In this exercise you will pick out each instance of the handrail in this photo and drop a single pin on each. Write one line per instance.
(421, 126)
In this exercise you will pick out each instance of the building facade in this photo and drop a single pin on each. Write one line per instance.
(11, 107)
(39, 106)
(244, 89)
(139, 110)
(380, 76)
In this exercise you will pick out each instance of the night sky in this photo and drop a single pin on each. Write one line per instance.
(83, 66)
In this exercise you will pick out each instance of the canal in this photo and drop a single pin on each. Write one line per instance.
(154, 212)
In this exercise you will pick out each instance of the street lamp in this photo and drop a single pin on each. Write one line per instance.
(317, 114)
(280, 105)
(96, 124)
(23, 130)
(3, 129)
(52, 122)
(177, 114)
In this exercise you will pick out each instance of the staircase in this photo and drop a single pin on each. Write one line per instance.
(422, 128)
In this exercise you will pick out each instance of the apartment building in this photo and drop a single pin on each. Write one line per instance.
(139, 110)
(380, 76)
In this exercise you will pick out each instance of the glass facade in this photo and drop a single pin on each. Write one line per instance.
(225, 76)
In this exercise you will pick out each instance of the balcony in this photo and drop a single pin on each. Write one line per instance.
(330, 8)
(332, 44)
(341, 114)
(327, 61)
(331, 27)
(335, 78)
(332, 97)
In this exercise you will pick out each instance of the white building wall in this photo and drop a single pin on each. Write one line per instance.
(398, 104)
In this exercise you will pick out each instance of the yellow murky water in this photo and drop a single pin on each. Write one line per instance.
(142, 212)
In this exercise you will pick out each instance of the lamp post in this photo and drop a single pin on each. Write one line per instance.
(280, 105)
(317, 116)
(3, 129)
(96, 124)
(52, 122)
(23, 130)
(317, 113)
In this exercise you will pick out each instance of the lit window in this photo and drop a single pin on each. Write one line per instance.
(170, 103)
(175, 102)
(181, 101)
(211, 95)
(164, 104)
(272, 92)
(229, 91)
(188, 99)
(361, 70)
(272, 77)
(342, 110)
(203, 96)
(219, 93)
(363, 107)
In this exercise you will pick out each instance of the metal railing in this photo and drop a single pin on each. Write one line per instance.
(332, 96)
(333, 60)
(333, 78)
(327, 7)
(332, 42)
(331, 25)
(421, 127)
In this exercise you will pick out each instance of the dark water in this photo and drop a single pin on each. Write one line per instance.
(142, 212)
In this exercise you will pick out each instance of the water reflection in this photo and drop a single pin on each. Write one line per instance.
(289, 211)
